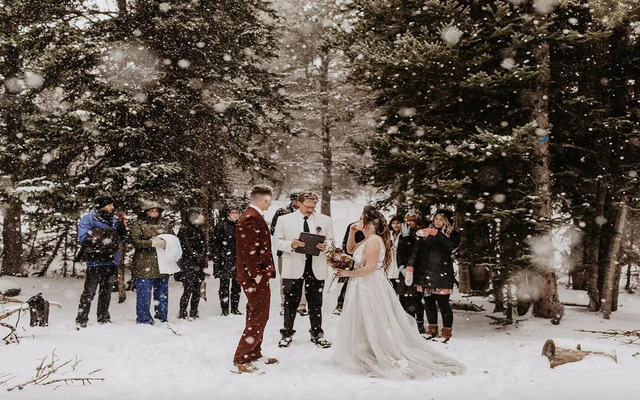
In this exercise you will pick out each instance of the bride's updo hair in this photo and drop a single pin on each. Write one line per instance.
(374, 217)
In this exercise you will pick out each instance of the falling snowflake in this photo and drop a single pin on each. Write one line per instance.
(544, 6)
(451, 35)
(508, 63)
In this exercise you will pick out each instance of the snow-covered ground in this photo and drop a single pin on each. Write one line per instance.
(192, 360)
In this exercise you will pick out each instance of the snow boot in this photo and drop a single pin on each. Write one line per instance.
(432, 331)
(445, 334)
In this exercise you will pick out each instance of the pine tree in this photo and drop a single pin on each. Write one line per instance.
(38, 42)
(465, 87)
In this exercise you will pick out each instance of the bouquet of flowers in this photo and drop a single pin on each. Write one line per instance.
(338, 259)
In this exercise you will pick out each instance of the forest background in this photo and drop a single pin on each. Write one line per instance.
(520, 115)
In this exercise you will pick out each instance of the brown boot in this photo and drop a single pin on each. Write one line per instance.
(446, 333)
(432, 331)
(247, 368)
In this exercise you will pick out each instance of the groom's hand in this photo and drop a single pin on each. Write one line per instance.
(297, 243)
(322, 246)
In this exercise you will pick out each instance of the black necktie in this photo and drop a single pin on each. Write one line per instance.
(305, 228)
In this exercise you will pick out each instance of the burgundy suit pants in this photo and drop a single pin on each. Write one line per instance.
(258, 301)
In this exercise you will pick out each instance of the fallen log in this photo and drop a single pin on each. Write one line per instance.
(559, 356)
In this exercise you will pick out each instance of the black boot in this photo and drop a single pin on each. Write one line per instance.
(235, 311)
(421, 327)
(182, 314)
(194, 314)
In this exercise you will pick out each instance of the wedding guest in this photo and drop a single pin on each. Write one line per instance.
(410, 298)
(288, 209)
(193, 263)
(144, 268)
(393, 272)
(434, 273)
(359, 238)
(99, 233)
(223, 250)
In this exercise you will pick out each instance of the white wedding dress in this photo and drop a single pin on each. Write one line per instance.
(377, 337)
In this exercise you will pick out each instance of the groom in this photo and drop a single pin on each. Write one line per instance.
(302, 270)
(254, 268)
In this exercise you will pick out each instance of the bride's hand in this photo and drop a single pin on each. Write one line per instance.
(342, 273)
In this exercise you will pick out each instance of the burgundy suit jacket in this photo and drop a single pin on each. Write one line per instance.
(253, 247)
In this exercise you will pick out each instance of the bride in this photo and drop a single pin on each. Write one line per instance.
(377, 337)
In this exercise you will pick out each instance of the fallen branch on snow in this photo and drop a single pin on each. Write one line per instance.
(634, 335)
(45, 370)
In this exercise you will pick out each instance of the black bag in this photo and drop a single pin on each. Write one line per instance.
(100, 245)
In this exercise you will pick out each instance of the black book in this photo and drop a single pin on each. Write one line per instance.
(311, 241)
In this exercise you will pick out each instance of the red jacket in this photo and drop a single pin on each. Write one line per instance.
(253, 247)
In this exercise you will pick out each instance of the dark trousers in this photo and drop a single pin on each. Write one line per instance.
(191, 292)
(98, 276)
(293, 292)
(343, 291)
(223, 292)
(258, 299)
(413, 306)
(432, 302)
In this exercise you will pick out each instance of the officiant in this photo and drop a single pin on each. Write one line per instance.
(304, 266)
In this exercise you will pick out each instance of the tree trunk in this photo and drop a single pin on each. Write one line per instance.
(122, 7)
(592, 254)
(613, 264)
(632, 238)
(327, 151)
(498, 283)
(12, 239)
(54, 252)
(464, 278)
(548, 304)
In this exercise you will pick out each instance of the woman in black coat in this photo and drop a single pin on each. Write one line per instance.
(223, 251)
(433, 269)
(193, 262)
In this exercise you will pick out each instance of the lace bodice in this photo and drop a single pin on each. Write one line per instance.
(358, 255)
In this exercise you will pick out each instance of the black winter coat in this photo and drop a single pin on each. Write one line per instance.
(194, 251)
(406, 244)
(223, 249)
(274, 221)
(432, 262)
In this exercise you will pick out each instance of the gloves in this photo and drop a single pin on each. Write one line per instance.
(258, 278)
(406, 231)
(158, 242)
(402, 269)
(408, 276)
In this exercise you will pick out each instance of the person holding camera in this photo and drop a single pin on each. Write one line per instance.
(99, 233)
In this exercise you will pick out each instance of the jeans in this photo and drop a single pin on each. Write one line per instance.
(160, 287)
